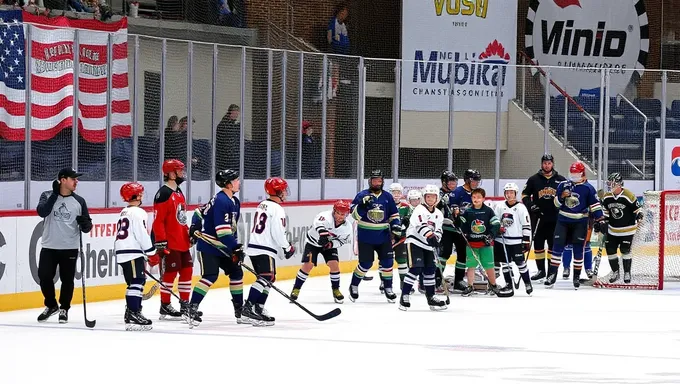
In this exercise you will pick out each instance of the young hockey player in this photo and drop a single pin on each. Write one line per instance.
(538, 196)
(479, 224)
(216, 223)
(415, 198)
(577, 201)
(399, 248)
(131, 245)
(461, 200)
(376, 214)
(267, 237)
(623, 212)
(423, 236)
(171, 238)
(329, 232)
(511, 245)
(449, 182)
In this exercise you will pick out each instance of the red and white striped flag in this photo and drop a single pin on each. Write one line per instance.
(51, 71)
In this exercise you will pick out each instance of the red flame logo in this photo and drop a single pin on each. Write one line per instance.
(565, 3)
(495, 49)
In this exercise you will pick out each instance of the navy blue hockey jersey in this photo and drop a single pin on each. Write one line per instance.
(461, 198)
(374, 221)
(220, 218)
(579, 205)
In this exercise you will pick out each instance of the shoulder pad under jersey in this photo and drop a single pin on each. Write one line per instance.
(163, 195)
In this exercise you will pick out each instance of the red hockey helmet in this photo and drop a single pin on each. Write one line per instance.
(131, 191)
(274, 186)
(341, 207)
(172, 165)
(577, 167)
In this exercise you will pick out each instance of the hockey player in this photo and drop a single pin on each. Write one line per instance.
(449, 182)
(217, 221)
(377, 222)
(423, 236)
(414, 197)
(623, 212)
(171, 238)
(479, 224)
(511, 245)
(568, 254)
(461, 199)
(577, 201)
(131, 246)
(267, 237)
(399, 248)
(538, 196)
(329, 232)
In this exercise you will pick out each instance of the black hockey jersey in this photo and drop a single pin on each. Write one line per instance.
(621, 212)
(540, 190)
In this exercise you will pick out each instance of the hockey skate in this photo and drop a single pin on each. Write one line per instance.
(538, 277)
(565, 273)
(590, 273)
(47, 313)
(421, 289)
(390, 295)
(268, 320)
(190, 314)
(626, 277)
(63, 316)
(353, 293)
(615, 275)
(404, 302)
(237, 314)
(294, 294)
(382, 287)
(167, 312)
(550, 281)
(135, 321)
(401, 288)
(493, 290)
(506, 291)
(435, 304)
(529, 288)
(577, 282)
(250, 316)
(469, 290)
(338, 296)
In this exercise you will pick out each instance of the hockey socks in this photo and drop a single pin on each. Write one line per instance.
(588, 256)
(184, 284)
(428, 280)
(523, 270)
(259, 291)
(539, 254)
(410, 280)
(578, 259)
(300, 279)
(335, 280)
(168, 285)
(386, 267)
(202, 287)
(133, 295)
(360, 272)
(236, 289)
(555, 259)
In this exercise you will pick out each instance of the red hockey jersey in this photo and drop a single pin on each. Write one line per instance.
(170, 221)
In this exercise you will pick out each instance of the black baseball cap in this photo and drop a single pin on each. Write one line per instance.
(68, 172)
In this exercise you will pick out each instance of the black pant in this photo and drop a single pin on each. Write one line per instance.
(66, 260)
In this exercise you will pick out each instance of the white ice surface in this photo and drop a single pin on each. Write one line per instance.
(556, 336)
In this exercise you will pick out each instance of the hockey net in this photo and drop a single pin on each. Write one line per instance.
(656, 245)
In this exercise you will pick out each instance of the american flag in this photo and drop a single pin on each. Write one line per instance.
(51, 76)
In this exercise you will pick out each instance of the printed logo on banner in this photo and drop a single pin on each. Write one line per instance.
(675, 161)
(2, 255)
(585, 36)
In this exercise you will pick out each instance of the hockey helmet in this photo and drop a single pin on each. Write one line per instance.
(414, 194)
(131, 191)
(511, 187)
(172, 165)
(431, 189)
(448, 176)
(376, 174)
(547, 157)
(342, 207)
(396, 187)
(577, 171)
(275, 186)
(222, 178)
(472, 174)
(614, 181)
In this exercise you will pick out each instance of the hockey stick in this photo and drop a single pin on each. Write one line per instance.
(154, 288)
(441, 268)
(161, 284)
(474, 254)
(326, 316)
(507, 260)
(88, 323)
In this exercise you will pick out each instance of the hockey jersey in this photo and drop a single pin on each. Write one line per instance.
(268, 234)
(461, 198)
(541, 191)
(170, 220)
(405, 210)
(374, 221)
(478, 224)
(515, 219)
(325, 221)
(219, 221)
(581, 203)
(424, 224)
(445, 206)
(621, 212)
(132, 238)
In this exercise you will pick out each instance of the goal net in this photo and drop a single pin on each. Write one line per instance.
(656, 246)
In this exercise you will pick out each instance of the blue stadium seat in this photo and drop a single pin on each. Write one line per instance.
(650, 107)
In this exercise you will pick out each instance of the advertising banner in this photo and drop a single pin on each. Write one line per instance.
(671, 171)
(479, 36)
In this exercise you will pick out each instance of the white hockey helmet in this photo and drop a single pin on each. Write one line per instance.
(431, 189)
(511, 187)
(396, 187)
(414, 194)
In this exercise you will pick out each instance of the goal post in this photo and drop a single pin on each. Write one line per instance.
(655, 250)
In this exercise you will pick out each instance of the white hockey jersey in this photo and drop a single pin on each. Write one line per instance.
(268, 234)
(325, 221)
(515, 220)
(132, 237)
(422, 224)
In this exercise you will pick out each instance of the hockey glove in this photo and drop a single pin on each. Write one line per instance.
(526, 244)
(488, 240)
(397, 232)
(193, 229)
(536, 210)
(289, 253)
(84, 222)
(324, 238)
(600, 226)
(237, 255)
(328, 245)
(368, 201)
(432, 240)
(501, 230)
(55, 187)
(154, 260)
(160, 245)
(639, 217)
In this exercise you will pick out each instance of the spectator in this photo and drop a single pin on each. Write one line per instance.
(228, 138)
(231, 13)
(80, 6)
(176, 139)
(311, 151)
(337, 37)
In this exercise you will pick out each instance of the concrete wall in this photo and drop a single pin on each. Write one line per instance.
(472, 130)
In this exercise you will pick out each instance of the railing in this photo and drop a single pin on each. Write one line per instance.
(644, 132)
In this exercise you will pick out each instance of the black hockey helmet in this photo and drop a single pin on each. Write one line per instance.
(547, 157)
(222, 178)
(376, 174)
(448, 176)
(614, 180)
(472, 174)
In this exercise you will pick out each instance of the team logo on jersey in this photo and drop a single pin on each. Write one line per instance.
(181, 214)
(616, 210)
(376, 214)
(507, 220)
(572, 200)
(547, 193)
(464, 207)
(477, 226)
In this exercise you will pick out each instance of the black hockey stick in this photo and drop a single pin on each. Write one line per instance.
(507, 260)
(479, 261)
(326, 316)
(445, 284)
(88, 323)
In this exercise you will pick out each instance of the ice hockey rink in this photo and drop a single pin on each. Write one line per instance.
(555, 336)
